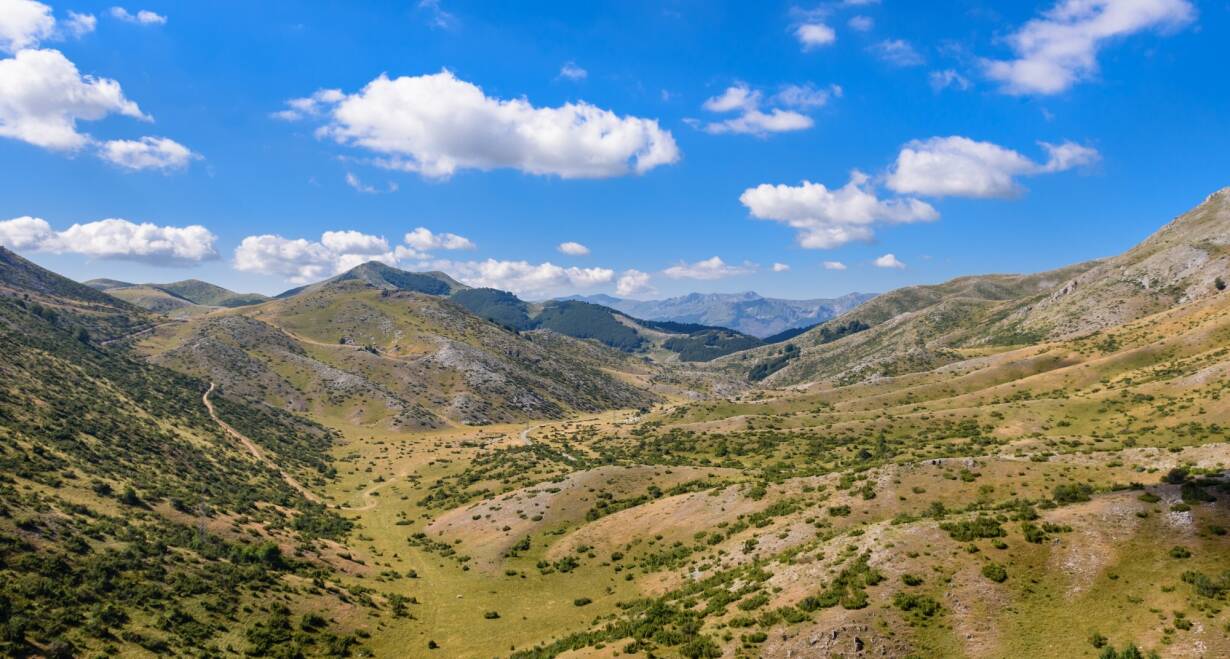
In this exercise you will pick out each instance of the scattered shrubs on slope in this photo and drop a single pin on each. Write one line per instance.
(772, 365)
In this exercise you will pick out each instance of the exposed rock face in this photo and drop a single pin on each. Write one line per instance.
(922, 327)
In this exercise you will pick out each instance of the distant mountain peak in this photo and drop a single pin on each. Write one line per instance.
(747, 312)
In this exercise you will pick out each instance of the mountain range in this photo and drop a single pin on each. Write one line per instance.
(395, 464)
(748, 312)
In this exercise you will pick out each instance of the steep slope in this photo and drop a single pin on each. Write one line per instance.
(911, 329)
(748, 313)
(130, 523)
(362, 354)
(1188, 259)
(922, 327)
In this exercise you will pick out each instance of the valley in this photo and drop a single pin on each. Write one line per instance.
(996, 466)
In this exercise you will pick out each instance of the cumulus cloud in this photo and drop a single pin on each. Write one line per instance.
(44, 97)
(827, 218)
(147, 153)
(834, 265)
(897, 52)
(24, 23)
(780, 267)
(525, 278)
(814, 35)
(112, 239)
(708, 269)
(142, 17)
(962, 167)
(424, 239)
(437, 124)
(79, 25)
(301, 261)
(571, 71)
(632, 283)
(752, 119)
(888, 261)
(573, 249)
(1061, 47)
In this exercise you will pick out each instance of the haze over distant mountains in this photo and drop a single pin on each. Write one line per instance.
(747, 312)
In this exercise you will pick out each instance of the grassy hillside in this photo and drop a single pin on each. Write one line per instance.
(207, 294)
(364, 355)
(130, 523)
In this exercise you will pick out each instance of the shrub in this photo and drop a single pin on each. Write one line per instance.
(995, 572)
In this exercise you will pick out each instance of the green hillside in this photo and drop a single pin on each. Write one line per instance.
(130, 522)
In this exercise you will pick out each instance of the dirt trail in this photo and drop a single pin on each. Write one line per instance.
(290, 480)
(254, 449)
(139, 332)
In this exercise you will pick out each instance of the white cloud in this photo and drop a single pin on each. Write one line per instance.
(815, 35)
(941, 80)
(142, 17)
(1060, 49)
(527, 279)
(780, 267)
(79, 25)
(437, 124)
(573, 249)
(573, 72)
(423, 239)
(354, 242)
(888, 261)
(147, 153)
(708, 269)
(897, 52)
(828, 218)
(44, 96)
(959, 166)
(112, 239)
(25, 232)
(309, 106)
(632, 283)
(23, 23)
(806, 96)
(354, 182)
(301, 261)
(834, 265)
(862, 23)
(754, 121)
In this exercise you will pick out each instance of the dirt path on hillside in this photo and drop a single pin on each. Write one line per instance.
(290, 480)
(254, 449)
(133, 335)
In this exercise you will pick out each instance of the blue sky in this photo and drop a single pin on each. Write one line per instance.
(988, 137)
